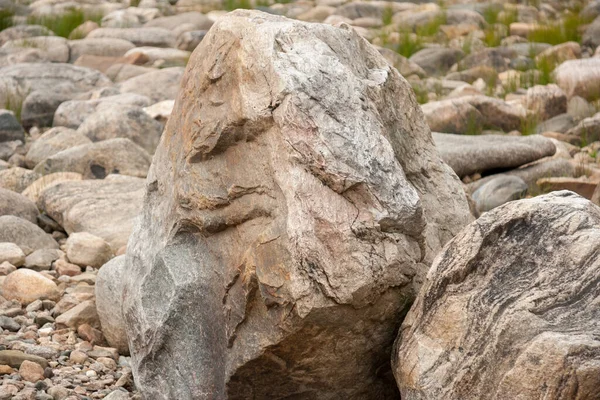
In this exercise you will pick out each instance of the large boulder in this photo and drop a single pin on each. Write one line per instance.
(296, 201)
(105, 208)
(109, 289)
(510, 309)
(97, 160)
(468, 154)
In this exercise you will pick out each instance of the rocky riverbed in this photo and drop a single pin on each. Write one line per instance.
(197, 204)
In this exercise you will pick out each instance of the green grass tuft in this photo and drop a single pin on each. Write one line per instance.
(388, 13)
(567, 30)
(231, 5)
(63, 24)
(409, 44)
(529, 125)
(14, 103)
(6, 18)
(432, 27)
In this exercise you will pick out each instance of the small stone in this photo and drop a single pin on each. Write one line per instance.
(58, 392)
(9, 324)
(31, 371)
(83, 313)
(117, 395)
(87, 333)
(42, 259)
(86, 249)
(27, 286)
(6, 268)
(99, 351)
(15, 358)
(78, 357)
(64, 268)
(109, 363)
(91, 373)
(11, 253)
(6, 370)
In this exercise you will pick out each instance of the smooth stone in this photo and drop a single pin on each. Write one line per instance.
(467, 154)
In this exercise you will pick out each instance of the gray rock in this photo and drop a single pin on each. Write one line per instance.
(281, 239)
(52, 48)
(190, 40)
(530, 174)
(17, 179)
(117, 395)
(10, 252)
(560, 123)
(579, 78)
(9, 324)
(13, 203)
(97, 160)
(39, 106)
(109, 288)
(588, 129)
(158, 85)
(157, 37)
(470, 154)
(510, 308)
(580, 108)
(546, 101)
(16, 80)
(121, 121)
(105, 208)
(489, 58)
(52, 142)
(72, 113)
(498, 191)
(436, 60)
(10, 128)
(23, 31)
(8, 149)
(104, 47)
(591, 36)
(200, 21)
(26, 235)
(123, 72)
(464, 114)
(15, 358)
(42, 259)
(85, 249)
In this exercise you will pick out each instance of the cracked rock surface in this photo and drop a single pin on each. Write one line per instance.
(510, 308)
(292, 209)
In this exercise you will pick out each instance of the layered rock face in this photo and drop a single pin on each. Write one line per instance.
(510, 309)
(293, 207)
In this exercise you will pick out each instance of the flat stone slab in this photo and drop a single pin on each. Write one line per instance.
(467, 155)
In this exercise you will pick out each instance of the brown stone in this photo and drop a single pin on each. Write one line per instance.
(31, 371)
(582, 185)
(86, 332)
